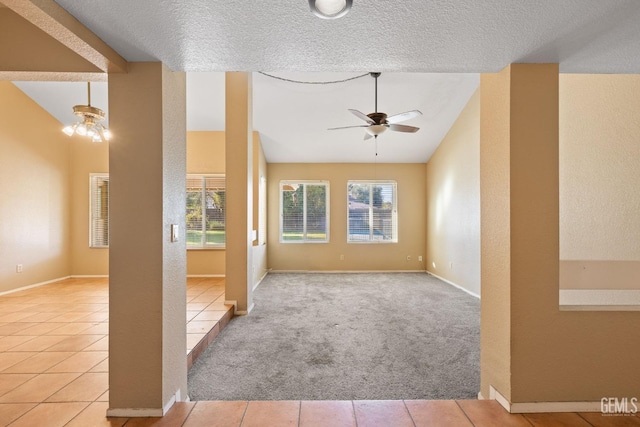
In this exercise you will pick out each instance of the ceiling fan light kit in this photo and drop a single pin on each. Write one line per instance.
(378, 122)
(89, 125)
(330, 9)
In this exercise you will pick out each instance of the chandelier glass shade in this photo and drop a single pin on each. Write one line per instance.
(89, 124)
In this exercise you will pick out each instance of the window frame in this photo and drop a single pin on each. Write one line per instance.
(93, 177)
(212, 246)
(394, 211)
(327, 186)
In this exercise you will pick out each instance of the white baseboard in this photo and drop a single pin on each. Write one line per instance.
(134, 413)
(542, 407)
(242, 312)
(599, 300)
(205, 275)
(260, 280)
(24, 288)
(344, 271)
(89, 276)
(473, 294)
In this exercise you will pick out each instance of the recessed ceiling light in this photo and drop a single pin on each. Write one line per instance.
(330, 9)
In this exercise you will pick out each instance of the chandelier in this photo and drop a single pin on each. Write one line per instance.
(89, 124)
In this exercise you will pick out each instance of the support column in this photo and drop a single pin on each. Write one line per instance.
(519, 221)
(239, 174)
(147, 270)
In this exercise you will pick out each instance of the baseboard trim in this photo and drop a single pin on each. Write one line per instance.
(35, 285)
(205, 275)
(134, 413)
(449, 282)
(260, 280)
(542, 407)
(89, 276)
(344, 271)
(242, 312)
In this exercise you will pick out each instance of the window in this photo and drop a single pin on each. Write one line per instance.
(98, 211)
(205, 216)
(373, 212)
(304, 212)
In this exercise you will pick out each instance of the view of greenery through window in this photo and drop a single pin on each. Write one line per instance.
(304, 212)
(205, 216)
(372, 212)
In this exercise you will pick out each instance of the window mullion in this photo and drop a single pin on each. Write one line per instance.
(203, 238)
(370, 212)
(304, 212)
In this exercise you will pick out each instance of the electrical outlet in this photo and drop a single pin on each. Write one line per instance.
(19, 268)
(341, 257)
(420, 258)
(433, 264)
(450, 265)
(408, 257)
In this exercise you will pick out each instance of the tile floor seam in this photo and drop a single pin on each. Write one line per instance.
(244, 413)
(586, 420)
(299, 411)
(465, 413)
(404, 402)
(189, 414)
(353, 408)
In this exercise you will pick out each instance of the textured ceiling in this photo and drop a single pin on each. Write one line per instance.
(407, 40)
(594, 36)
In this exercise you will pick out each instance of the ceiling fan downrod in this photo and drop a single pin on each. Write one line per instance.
(375, 76)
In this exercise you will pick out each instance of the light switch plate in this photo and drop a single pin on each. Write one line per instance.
(175, 232)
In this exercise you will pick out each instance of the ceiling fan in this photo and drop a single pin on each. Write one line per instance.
(378, 122)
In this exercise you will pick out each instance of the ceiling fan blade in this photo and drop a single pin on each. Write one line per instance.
(367, 136)
(362, 116)
(349, 127)
(397, 118)
(404, 128)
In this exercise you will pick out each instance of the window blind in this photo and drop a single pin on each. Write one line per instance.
(98, 211)
(372, 212)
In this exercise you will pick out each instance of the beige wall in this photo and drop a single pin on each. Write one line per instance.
(411, 179)
(259, 172)
(86, 158)
(599, 181)
(205, 154)
(34, 192)
(453, 202)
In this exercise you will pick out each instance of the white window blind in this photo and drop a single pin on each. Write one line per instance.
(98, 210)
(206, 206)
(372, 212)
(304, 212)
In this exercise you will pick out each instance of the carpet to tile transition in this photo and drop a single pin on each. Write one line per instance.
(346, 337)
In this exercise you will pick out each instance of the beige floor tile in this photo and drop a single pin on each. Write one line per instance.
(175, 417)
(596, 419)
(10, 381)
(272, 413)
(41, 343)
(40, 317)
(97, 329)
(10, 412)
(193, 340)
(101, 345)
(216, 414)
(191, 315)
(200, 327)
(40, 328)
(8, 359)
(50, 415)
(324, 413)
(38, 388)
(197, 306)
(83, 361)
(379, 413)
(556, 420)
(75, 343)
(441, 413)
(94, 415)
(101, 367)
(71, 329)
(208, 315)
(7, 343)
(69, 317)
(15, 317)
(86, 388)
(489, 413)
(38, 363)
(98, 316)
(104, 397)
(15, 328)
(218, 305)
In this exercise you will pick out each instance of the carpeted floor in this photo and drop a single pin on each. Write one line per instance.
(346, 337)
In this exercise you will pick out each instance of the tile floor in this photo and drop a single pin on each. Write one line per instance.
(54, 372)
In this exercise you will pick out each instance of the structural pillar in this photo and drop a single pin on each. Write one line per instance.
(239, 175)
(147, 267)
(519, 222)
